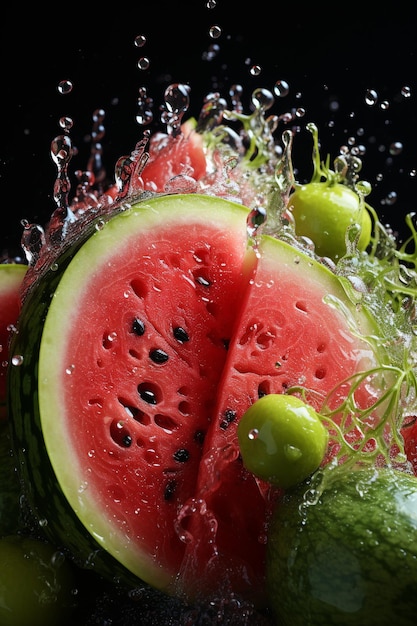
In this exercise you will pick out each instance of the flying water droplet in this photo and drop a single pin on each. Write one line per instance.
(140, 41)
(396, 148)
(32, 241)
(281, 88)
(66, 123)
(144, 63)
(65, 87)
(215, 32)
(371, 97)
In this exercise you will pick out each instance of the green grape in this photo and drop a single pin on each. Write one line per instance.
(323, 212)
(282, 440)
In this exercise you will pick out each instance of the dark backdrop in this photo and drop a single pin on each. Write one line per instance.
(329, 55)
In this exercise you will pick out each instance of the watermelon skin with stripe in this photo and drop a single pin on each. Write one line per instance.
(141, 353)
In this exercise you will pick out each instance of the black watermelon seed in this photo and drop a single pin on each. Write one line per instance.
(228, 417)
(147, 395)
(203, 281)
(182, 455)
(170, 489)
(127, 441)
(180, 334)
(138, 327)
(199, 437)
(158, 356)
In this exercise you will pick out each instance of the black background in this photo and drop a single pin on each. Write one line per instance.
(329, 55)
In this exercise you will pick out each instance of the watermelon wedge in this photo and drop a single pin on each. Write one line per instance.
(140, 354)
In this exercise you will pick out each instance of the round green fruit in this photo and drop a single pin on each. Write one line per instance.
(36, 583)
(282, 440)
(323, 212)
(346, 554)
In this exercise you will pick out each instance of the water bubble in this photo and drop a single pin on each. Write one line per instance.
(211, 4)
(32, 241)
(65, 86)
(390, 199)
(100, 224)
(255, 70)
(215, 32)
(140, 41)
(371, 97)
(292, 453)
(255, 219)
(384, 105)
(406, 91)
(262, 99)
(66, 123)
(144, 115)
(17, 359)
(143, 63)
(211, 53)
(253, 434)
(281, 88)
(177, 98)
(61, 149)
(396, 148)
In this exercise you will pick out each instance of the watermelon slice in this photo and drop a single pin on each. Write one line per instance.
(11, 278)
(140, 354)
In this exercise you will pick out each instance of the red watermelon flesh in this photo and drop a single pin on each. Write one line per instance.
(137, 370)
(285, 336)
(141, 385)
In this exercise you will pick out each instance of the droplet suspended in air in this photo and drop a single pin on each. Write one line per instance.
(66, 123)
(143, 63)
(371, 97)
(281, 88)
(215, 31)
(140, 41)
(396, 148)
(64, 87)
